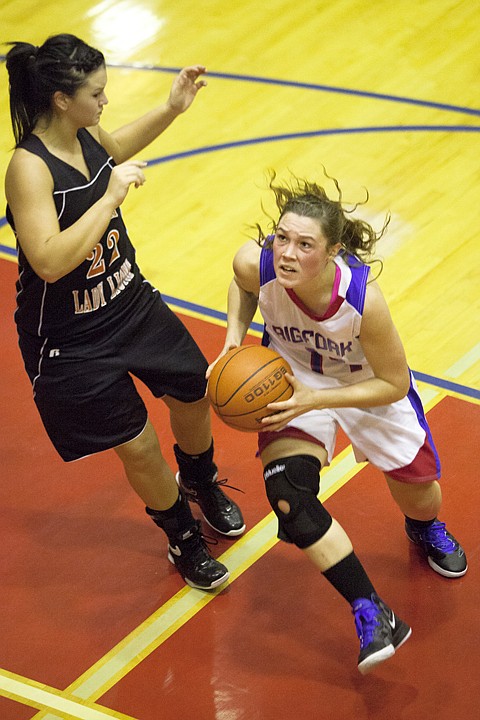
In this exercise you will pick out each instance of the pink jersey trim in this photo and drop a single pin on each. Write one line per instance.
(335, 300)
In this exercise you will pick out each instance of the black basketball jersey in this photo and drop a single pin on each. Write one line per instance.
(103, 286)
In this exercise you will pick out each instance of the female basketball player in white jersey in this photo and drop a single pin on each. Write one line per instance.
(325, 314)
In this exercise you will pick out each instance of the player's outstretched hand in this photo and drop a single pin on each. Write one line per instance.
(185, 87)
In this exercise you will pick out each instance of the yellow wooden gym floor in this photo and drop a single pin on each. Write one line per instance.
(385, 96)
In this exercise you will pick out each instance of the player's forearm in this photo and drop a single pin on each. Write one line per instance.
(241, 309)
(134, 137)
(66, 250)
(368, 393)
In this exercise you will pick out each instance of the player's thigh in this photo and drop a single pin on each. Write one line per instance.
(190, 413)
(166, 358)
(289, 446)
(88, 406)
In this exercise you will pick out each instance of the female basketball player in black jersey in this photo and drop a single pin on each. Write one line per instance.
(87, 319)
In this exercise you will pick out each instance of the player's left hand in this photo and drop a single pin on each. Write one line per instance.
(185, 87)
(302, 400)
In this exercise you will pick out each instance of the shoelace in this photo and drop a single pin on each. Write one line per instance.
(224, 482)
(221, 498)
(436, 535)
(215, 491)
(197, 537)
(365, 615)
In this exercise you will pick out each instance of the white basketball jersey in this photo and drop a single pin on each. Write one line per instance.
(326, 352)
(326, 346)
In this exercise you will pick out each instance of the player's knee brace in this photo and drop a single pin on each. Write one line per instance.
(296, 481)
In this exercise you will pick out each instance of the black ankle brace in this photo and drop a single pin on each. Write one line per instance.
(175, 519)
(195, 468)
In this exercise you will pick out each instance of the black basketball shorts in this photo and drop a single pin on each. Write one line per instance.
(85, 392)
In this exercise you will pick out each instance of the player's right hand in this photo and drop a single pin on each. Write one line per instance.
(226, 349)
(124, 175)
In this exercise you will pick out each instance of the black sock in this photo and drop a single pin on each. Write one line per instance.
(349, 578)
(420, 524)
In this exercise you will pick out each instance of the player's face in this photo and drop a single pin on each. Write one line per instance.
(87, 104)
(300, 252)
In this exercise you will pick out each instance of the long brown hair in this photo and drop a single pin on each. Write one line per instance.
(305, 198)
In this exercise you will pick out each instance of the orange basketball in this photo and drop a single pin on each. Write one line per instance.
(244, 382)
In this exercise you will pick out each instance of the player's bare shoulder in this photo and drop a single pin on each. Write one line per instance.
(26, 175)
(375, 303)
(105, 139)
(378, 330)
(246, 266)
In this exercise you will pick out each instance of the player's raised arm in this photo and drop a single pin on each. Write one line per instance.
(130, 139)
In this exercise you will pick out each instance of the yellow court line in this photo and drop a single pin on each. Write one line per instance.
(465, 362)
(148, 636)
(37, 695)
(430, 396)
(197, 314)
(179, 609)
(141, 642)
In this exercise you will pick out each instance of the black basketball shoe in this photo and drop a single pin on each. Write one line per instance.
(189, 553)
(444, 554)
(220, 512)
(379, 630)
(187, 548)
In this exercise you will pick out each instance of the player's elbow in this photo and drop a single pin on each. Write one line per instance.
(50, 279)
(44, 261)
(402, 384)
(46, 272)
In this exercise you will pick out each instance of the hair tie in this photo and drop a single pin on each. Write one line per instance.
(32, 58)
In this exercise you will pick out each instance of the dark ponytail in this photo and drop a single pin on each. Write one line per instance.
(62, 63)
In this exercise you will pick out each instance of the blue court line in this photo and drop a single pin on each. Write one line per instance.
(258, 327)
(449, 107)
(293, 136)
(308, 86)
(448, 385)
(301, 85)
(422, 377)
(289, 136)
(313, 133)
